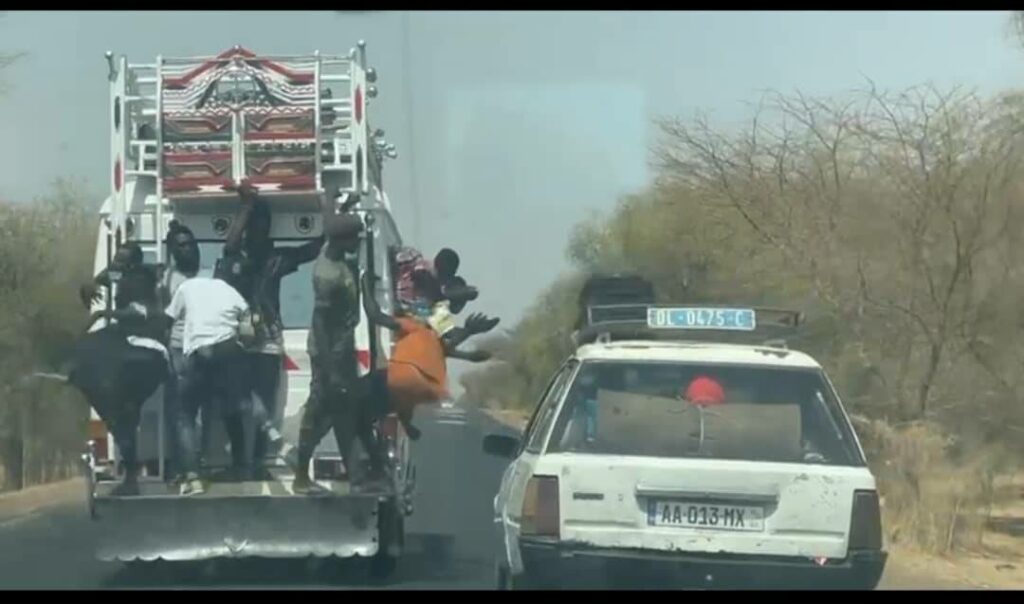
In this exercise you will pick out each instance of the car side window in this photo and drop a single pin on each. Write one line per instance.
(530, 425)
(546, 410)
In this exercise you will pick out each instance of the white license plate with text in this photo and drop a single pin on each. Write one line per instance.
(684, 514)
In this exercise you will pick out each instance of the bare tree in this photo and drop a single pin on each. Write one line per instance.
(896, 220)
(887, 204)
(1017, 25)
(7, 59)
(43, 250)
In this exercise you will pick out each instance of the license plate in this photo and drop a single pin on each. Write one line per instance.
(728, 319)
(705, 516)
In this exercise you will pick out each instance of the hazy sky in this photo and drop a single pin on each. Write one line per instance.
(524, 122)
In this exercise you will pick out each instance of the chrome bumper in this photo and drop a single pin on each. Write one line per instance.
(204, 527)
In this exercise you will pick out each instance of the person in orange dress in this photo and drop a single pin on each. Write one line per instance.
(417, 371)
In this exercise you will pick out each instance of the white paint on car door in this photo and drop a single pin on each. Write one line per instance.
(523, 467)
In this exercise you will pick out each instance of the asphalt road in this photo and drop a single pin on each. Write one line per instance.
(449, 543)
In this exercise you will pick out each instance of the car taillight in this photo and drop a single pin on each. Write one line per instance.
(865, 522)
(98, 434)
(541, 516)
(289, 364)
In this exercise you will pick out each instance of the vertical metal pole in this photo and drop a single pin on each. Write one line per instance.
(159, 233)
(372, 269)
(110, 258)
(317, 72)
(236, 148)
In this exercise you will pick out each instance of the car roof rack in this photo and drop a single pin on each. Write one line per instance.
(709, 323)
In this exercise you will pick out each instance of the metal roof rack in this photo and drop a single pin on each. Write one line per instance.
(725, 324)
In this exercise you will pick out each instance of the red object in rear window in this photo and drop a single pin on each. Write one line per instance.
(289, 364)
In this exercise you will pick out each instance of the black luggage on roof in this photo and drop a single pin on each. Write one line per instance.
(612, 289)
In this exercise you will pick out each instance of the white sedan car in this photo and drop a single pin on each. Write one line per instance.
(657, 463)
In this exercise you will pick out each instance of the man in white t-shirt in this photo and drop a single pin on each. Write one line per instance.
(184, 253)
(215, 368)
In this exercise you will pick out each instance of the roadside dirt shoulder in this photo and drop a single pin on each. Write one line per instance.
(915, 570)
(14, 504)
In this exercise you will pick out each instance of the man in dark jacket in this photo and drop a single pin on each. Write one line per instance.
(120, 365)
(262, 265)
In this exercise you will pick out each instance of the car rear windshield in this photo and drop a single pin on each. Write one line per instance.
(676, 410)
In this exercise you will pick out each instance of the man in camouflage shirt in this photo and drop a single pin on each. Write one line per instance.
(331, 347)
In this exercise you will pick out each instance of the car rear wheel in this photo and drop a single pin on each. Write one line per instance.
(501, 575)
(391, 531)
(506, 581)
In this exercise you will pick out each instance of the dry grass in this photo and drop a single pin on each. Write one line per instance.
(930, 502)
(34, 498)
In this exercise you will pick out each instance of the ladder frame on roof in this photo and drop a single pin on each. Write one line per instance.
(137, 96)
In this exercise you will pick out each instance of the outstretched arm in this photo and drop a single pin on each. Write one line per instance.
(291, 258)
(307, 252)
(475, 324)
(473, 356)
(131, 312)
(118, 315)
(233, 239)
(373, 311)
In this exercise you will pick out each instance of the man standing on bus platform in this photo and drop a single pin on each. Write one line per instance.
(331, 347)
(264, 266)
(118, 366)
(211, 312)
(184, 252)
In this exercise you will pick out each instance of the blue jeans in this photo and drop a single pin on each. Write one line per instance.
(265, 378)
(590, 418)
(172, 401)
(221, 379)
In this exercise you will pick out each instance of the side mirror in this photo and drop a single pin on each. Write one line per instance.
(501, 445)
